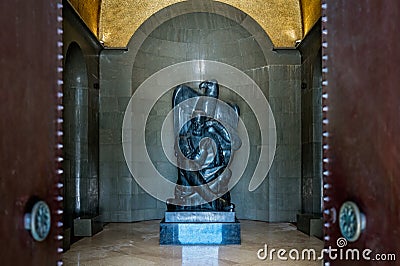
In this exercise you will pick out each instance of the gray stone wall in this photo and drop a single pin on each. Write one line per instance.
(201, 36)
(311, 114)
(284, 177)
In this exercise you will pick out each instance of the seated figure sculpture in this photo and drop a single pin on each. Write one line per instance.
(204, 148)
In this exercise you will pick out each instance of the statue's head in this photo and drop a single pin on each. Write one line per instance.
(210, 88)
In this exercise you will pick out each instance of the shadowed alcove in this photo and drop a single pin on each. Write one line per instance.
(75, 134)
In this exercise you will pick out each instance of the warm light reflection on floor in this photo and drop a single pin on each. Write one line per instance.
(200, 255)
(137, 244)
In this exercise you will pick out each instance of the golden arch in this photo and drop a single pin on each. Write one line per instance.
(115, 21)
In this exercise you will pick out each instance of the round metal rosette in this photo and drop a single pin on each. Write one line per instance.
(351, 221)
(38, 221)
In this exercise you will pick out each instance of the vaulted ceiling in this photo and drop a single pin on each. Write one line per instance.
(115, 21)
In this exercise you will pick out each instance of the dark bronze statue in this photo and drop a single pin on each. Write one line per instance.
(206, 136)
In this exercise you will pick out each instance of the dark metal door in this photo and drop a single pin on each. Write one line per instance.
(362, 106)
(29, 127)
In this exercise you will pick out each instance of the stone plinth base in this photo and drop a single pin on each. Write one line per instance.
(85, 226)
(200, 228)
(310, 224)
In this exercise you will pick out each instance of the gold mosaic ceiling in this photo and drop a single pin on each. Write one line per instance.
(115, 21)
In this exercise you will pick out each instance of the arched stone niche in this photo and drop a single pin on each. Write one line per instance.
(213, 31)
(75, 129)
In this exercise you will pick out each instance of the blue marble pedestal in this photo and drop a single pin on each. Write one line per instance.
(200, 228)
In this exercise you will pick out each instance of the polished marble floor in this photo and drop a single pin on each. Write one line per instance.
(122, 244)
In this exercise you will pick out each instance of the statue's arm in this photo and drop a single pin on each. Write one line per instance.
(192, 157)
(232, 138)
(217, 128)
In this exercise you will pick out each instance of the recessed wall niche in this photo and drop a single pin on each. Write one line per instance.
(81, 122)
(75, 162)
(181, 33)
